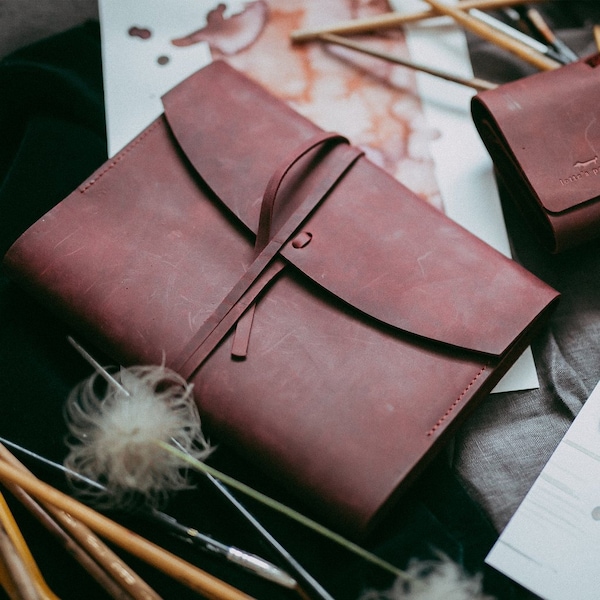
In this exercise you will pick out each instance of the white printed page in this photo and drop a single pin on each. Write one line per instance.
(551, 546)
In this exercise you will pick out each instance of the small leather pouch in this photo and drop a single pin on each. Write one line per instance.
(336, 327)
(543, 135)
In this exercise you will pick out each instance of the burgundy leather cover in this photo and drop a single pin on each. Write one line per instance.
(377, 322)
(543, 134)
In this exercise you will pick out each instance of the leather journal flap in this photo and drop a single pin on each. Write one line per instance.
(368, 243)
(548, 126)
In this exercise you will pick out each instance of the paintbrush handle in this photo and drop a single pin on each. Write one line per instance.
(196, 579)
(21, 583)
(533, 16)
(476, 83)
(22, 551)
(390, 20)
(93, 568)
(91, 552)
(496, 37)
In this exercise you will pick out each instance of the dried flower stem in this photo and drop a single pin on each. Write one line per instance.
(286, 510)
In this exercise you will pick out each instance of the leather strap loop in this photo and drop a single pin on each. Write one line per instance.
(264, 233)
(265, 265)
(241, 338)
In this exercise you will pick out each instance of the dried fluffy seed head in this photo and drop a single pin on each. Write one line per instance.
(114, 433)
(440, 579)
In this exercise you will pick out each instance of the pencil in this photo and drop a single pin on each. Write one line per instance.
(170, 564)
(390, 20)
(476, 83)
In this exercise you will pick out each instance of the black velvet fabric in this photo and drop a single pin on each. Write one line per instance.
(53, 137)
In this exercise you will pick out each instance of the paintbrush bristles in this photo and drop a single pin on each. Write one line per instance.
(113, 434)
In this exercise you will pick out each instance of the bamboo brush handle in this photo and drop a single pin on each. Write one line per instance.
(391, 20)
(196, 579)
(497, 37)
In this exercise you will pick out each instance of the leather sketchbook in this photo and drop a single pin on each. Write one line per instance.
(336, 327)
(543, 135)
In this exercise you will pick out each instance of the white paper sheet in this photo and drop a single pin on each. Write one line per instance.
(552, 544)
(141, 65)
(135, 80)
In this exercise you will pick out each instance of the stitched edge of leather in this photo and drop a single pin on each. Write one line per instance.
(455, 403)
(119, 157)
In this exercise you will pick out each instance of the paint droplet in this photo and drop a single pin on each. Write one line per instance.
(140, 32)
(162, 60)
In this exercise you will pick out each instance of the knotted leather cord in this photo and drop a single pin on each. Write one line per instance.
(241, 337)
(265, 265)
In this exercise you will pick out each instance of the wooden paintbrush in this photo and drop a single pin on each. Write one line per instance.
(108, 569)
(190, 535)
(23, 579)
(390, 20)
(537, 23)
(498, 38)
(196, 579)
(475, 82)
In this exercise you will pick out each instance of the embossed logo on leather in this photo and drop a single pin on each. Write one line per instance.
(582, 168)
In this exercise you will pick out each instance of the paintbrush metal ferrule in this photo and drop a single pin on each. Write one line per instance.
(257, 565)
(249, 561)
(534, 19)
(491, 34)
(518, 36)
(261, 567)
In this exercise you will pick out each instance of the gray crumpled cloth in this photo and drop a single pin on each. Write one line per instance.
(503, 447)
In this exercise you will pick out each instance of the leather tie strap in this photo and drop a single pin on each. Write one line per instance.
(266, 264)
(241, 338)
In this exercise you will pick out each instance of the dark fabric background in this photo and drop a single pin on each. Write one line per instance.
(52, 136)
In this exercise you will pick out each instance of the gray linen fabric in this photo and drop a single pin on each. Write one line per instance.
(505, 444)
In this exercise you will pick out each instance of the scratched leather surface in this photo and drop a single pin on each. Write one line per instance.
(377, 248)
(365, 354)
